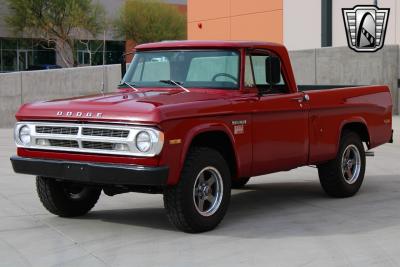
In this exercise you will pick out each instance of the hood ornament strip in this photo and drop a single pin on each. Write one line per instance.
(79, 114)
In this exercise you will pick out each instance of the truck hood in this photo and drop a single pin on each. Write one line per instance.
(150, 106)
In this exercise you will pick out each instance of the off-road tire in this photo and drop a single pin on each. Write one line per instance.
(239, 183)
(57, 200)
(331, 176)
(179, 199)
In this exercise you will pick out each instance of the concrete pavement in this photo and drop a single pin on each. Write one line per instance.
(282, 219)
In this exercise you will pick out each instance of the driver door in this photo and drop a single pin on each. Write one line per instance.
(280, 122)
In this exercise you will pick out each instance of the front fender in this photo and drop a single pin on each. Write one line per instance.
(175, 155)
(203, 128)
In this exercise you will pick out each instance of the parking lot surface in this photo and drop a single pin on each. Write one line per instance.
(282, 219)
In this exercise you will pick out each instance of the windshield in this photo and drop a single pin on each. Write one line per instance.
(190, 68)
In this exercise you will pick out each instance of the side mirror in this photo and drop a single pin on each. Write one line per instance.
(273, 70)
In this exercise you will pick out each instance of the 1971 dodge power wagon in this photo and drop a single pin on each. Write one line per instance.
(191, 120)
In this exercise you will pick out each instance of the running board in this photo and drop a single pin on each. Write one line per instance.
(370, 154)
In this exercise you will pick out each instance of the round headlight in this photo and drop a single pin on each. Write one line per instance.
(24, 135)
(143, 141)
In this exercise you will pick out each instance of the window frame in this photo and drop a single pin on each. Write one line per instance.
(257, 51)
(235, 50)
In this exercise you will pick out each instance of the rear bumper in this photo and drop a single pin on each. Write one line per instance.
(96, 173)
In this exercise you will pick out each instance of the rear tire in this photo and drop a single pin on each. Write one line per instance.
(343, 176)
(66, 199)
(199, 201)
(240, 183)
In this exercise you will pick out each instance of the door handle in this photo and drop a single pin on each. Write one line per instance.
(304, 98)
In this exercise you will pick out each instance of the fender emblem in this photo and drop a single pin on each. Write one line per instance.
(239, 122)
(238, 129)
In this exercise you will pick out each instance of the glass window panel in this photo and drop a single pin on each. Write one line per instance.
(87, 58)
(25, 43)
(96, 46)
(115, 45)
(42, 45)
(113, 57)
(97, 58)
(213, 69)
(9, 60)
(81, 45)
(11, 44)
(193, 68)
(259, 69)
(155, 71)
(248, 73)
(44, 57)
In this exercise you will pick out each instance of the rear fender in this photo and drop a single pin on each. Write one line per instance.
(356, 119)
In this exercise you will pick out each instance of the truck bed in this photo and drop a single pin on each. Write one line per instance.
(331, 107)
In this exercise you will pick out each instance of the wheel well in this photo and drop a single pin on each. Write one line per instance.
(360, 129)
(221, 142)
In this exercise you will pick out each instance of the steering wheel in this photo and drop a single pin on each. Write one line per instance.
(214, 78)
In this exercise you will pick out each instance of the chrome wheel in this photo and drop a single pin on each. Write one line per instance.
(351, 164)
(208, 191)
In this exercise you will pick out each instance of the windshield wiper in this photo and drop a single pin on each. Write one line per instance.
(172, 82)
(130, 85)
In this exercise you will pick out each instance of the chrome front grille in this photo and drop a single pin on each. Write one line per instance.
(61, 143)
(89, 138)
(97, 145)
(57, 130)
(105, 132)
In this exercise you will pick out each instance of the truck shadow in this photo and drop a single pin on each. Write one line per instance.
(274, 210)
(155, 218)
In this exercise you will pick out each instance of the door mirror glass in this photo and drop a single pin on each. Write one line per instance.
(272, 70)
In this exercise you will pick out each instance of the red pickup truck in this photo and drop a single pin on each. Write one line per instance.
(191, 120)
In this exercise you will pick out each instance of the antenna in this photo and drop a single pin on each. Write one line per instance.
(104, 62)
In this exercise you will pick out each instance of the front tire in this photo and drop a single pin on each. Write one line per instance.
(66, 199)
(343, 176)
(199, 201)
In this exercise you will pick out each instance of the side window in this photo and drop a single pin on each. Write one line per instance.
(248, 74)
(259, 71)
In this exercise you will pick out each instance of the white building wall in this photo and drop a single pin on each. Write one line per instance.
(338, 29)
(393, 28)
(302, 24)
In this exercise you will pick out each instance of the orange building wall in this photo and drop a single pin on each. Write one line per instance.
(260, 20)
